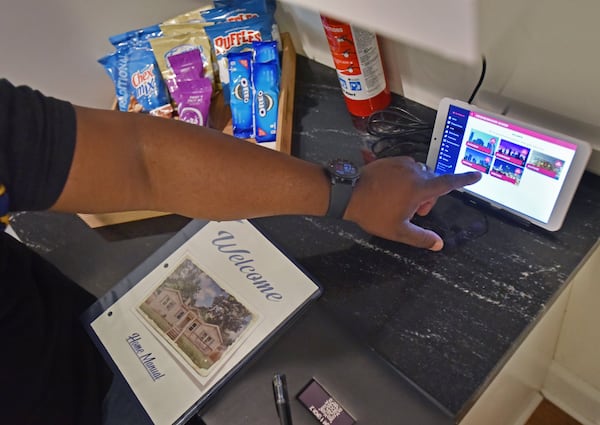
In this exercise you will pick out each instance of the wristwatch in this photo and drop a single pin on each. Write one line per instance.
(343, 175)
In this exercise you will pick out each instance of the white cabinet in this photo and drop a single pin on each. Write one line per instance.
(557, 360)
(458, 29)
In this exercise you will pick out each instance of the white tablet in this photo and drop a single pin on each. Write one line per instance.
(528, 171)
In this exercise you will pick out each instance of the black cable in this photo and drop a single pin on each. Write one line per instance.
(481, 77)
(400, 132)
(395, 121)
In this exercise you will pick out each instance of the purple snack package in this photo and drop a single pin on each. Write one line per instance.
(186, 66)
(193, 100)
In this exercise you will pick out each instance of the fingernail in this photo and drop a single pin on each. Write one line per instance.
(437, 246)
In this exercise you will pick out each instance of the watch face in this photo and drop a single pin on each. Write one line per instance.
(344, 169)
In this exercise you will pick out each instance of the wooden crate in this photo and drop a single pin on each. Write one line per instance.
(220, 119)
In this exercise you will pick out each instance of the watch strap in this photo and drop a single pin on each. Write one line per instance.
(339, 199)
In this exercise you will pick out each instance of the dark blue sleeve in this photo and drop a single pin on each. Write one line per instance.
(37, 141)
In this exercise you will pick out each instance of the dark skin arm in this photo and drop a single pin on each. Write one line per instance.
(126, 162)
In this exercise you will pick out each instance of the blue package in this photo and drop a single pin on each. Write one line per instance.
(145, 80)
(269, 5)
(241, 95)
(133, 69)
(134, 35)
(233, 37)
(265, 77)
(110, 63)
(234, 13)
(266, 51)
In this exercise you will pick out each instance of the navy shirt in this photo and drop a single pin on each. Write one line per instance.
(50, 371)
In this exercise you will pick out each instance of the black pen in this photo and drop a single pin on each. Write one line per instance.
(282, 402)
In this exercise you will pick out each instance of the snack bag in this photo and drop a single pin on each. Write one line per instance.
(116, 64)
(184, 27)
(190, 90)
(241, 95)
(266, 51)
(193, 101)
(138, 83)
(201, 38)
(234, 14)
(241, 10)
(193, 16)
(232, 37)
(172, 44)
(186, 65)
(268, 5)
(147, 89)
(266, 101)
(110, 63)
(234, 11)
(131, 36)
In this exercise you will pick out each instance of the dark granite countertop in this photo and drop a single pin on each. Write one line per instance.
(447, 321)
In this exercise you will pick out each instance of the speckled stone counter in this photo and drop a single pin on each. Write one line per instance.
(447, 321)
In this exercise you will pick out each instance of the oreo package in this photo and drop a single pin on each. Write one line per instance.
(241, 94)
(265, 77)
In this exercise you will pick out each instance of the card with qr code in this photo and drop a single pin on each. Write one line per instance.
(326, 409)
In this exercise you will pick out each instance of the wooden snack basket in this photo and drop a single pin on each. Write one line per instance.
(220, 118)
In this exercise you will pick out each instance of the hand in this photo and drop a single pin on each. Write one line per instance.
(392, 190)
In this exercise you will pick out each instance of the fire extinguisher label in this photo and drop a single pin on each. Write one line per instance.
(357, 60)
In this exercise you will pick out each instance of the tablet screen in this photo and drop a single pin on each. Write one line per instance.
(522, 169)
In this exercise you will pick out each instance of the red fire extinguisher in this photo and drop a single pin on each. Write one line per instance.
(359, 67)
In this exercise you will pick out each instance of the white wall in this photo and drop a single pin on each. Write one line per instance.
(54, 45)
(411, 21)
(541, 52)
(544, 53)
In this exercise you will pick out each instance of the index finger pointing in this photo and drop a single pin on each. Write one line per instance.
(446, 183)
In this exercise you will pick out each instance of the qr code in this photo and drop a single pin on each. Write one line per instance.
(331, 409)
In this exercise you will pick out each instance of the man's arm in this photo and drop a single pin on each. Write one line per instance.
(126, 161)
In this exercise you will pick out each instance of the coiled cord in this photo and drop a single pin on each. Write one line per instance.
(401, 132)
